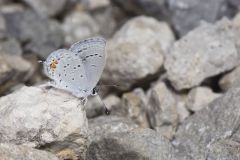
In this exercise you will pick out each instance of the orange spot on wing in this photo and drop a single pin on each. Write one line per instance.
(53, 64)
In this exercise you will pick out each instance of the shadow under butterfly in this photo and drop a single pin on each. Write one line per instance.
(78, 69)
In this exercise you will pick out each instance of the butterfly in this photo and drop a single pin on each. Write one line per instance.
(77, 69)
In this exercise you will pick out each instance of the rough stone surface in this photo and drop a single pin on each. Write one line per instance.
(50, 119)
(96, 4)
(212, 130)
(95, 107)
(136, 144)
(17, 152)
(47, 7)
(199, 97)
(230, 80)
(134, 103)
(156, 8)
(206, 51)
(79, 25)
(39, 35)
(140, 41)
(182, 111)
(167, 131)
(13, 68)
(187, 14)
(162, 106)
(104, 125)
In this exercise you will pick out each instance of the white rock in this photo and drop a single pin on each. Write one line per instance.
(78, 26)
(162, 106)
(204, 52)
(137, 51)
(230, 80)
(134, 103)
(17, 152)
(200, 97)
(37, 117)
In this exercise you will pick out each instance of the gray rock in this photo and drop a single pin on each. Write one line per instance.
(47, 8)
(230, 80)
(138, 144)
(134, 103)
(127, 61)
(79, 25)
(187, 14)
(96, 4)
(167, 131)
(95, 107)
(17, 152)
(13, 68)
(162, 106)
(224, 150)
(39, 35)
(156, 8)
(204, 132)
(102, 126)
(49, 119)
(3, 28)
(206, 51)
(200, 97)
(182, 111)
(105, 19)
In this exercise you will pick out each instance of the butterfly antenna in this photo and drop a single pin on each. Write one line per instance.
(107, 111)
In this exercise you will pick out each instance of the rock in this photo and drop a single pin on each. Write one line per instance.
(187, 14)
(128, 62)
(104, 125)
(14, 152)
(48, 119)
(39, 35)
(47, 8)
(156, 8)
(203, 132)
(166, 131)
(162, 106)
(96, 4)
(199, 97)
(79, 25)
(230, 80)
(3, 29)
(13, 68)
(134, 103)
(105, 19)
(224, 150)
(95, 107)
(134, 145)
(192, 61)
(182, 111)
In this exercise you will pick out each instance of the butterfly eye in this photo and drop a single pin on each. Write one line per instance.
(94, 91)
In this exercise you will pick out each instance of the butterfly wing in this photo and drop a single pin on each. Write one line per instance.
(92, 53)
(68, 73)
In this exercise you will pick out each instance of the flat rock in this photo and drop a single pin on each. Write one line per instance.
(187, 14)
(205, 52)
(212, 131)
(47, 8)
(14, 152)
(49, 119)
(134, 103)
(136, 144)
(128, 62)
(162, 106)
(39, 35)
(200, 97)
(79, 25)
